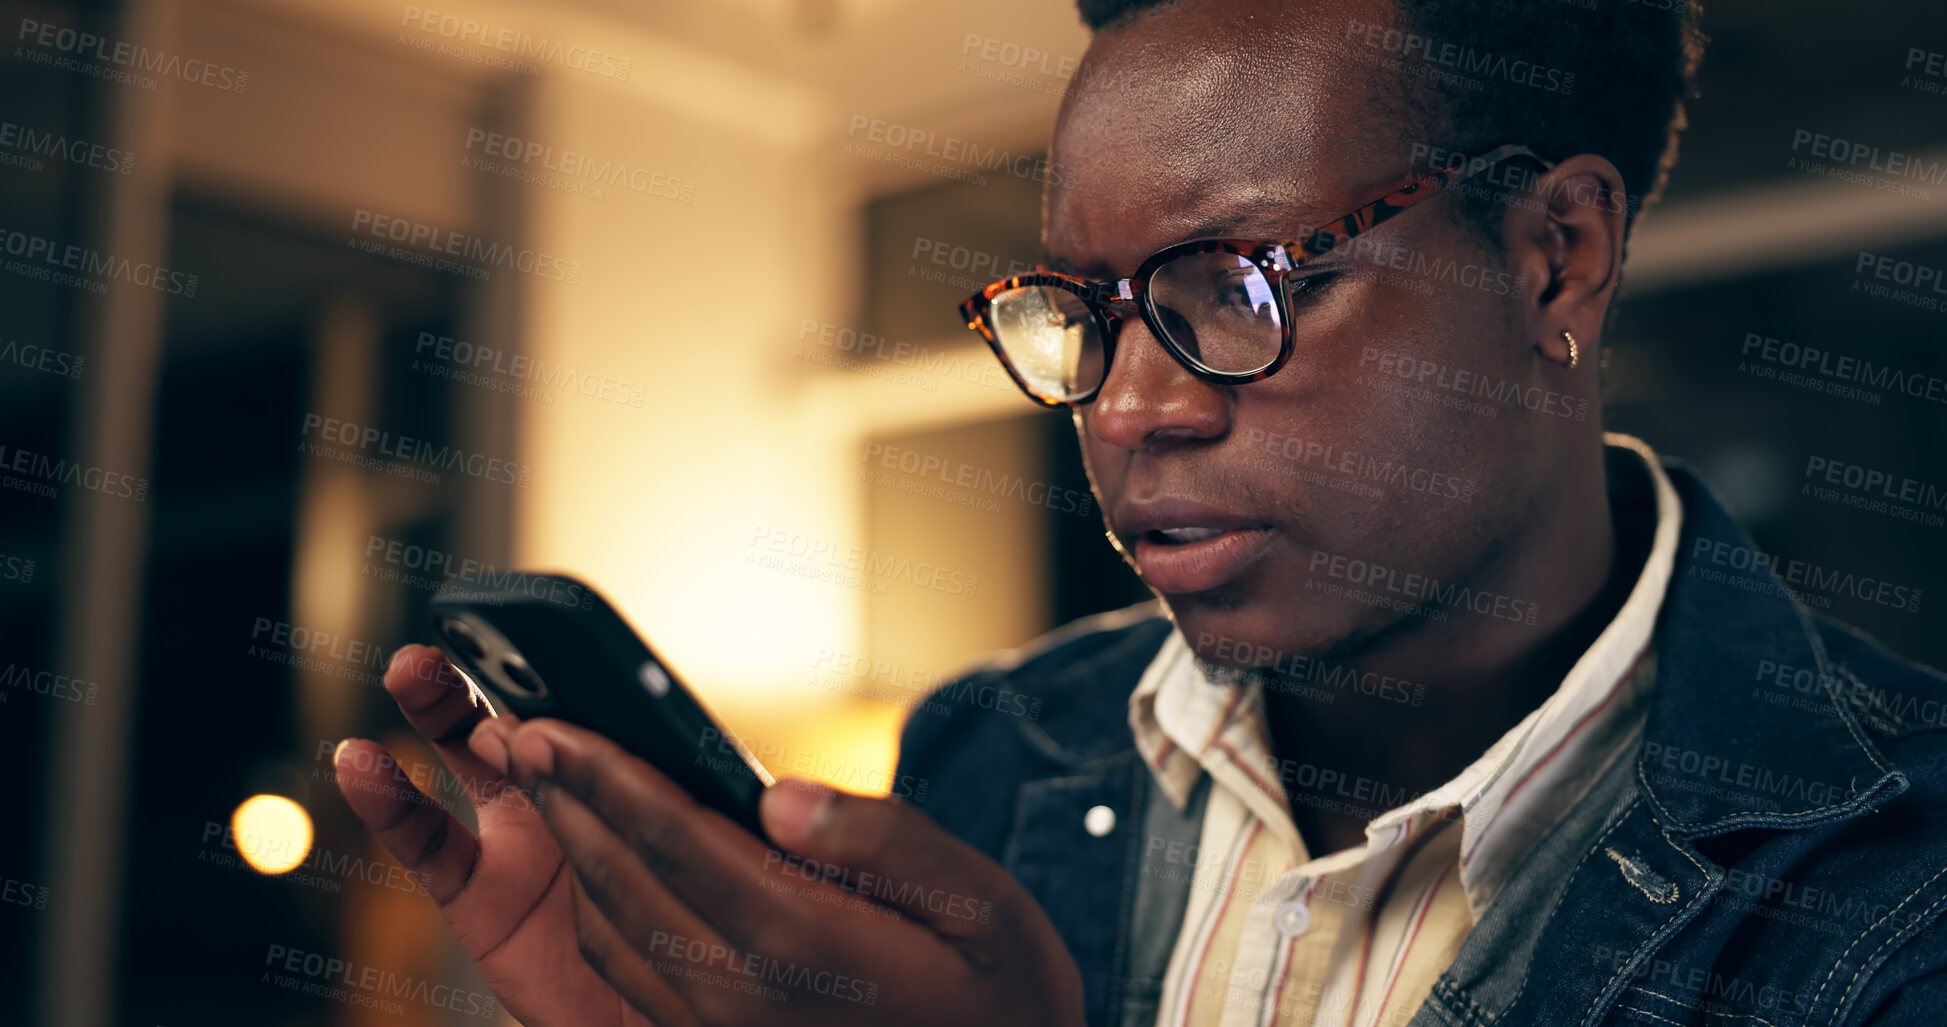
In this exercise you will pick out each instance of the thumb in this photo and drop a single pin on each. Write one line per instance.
(892, 854)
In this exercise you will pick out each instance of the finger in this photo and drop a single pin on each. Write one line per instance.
(652, 830)
(691, 850)
(897, 854)
(656, 930)
(412, 826)
(444, 708)
(641, 907)
(915, 866)
(609, 955)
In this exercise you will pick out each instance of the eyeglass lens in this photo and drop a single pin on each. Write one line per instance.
(1216, 307)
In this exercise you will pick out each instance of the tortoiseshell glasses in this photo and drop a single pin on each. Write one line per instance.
(1221, 307)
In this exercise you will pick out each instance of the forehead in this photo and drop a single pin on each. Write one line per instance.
(1220, 117)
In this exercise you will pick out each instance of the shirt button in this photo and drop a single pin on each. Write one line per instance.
(1292, 918)
(1098, 821)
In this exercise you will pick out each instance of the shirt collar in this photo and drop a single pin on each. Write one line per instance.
(1188, 721)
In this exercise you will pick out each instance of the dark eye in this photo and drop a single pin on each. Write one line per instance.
(1301, 290)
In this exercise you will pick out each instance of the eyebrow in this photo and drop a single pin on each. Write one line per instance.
(1063, 265)
(1243, 215)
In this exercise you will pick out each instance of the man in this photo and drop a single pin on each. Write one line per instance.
(1453, 709)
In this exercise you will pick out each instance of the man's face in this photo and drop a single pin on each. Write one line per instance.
(1391, 437)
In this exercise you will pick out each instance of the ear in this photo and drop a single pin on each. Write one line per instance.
(1570, 252)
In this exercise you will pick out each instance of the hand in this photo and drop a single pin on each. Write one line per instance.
(506, 894)
(695, 921)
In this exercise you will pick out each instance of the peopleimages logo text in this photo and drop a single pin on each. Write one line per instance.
(580, 166)
(131, 56)
(44, 253)
(28, 140)
(367, 982)
(1888, 162)
(506, 40)
(1423, 590)
(1878, 483)
(952, 148)
(1797, 574)
(406, 448)
(1843, 368)
(433, 239)
(1464, 59)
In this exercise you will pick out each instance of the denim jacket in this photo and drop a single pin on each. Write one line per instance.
(1774, 853)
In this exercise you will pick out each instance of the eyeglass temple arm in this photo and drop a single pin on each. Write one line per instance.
(1335, 233)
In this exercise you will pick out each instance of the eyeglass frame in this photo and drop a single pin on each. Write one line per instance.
(1274, 260)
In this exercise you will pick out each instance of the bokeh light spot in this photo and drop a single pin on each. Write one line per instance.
(272, 833)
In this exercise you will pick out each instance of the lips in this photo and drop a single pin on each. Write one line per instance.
(1180, 536)
(1183, 547)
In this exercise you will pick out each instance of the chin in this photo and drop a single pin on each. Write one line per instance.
(1232, 628)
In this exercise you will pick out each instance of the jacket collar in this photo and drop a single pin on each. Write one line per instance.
(1716, 754)
(1080, 678)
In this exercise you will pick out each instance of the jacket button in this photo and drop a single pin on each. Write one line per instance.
(1098, 821)
(1292, 918)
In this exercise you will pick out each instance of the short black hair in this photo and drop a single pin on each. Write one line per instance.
(1630, 65)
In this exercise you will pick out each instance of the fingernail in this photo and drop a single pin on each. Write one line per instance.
(486, 743)
(338, 751)
(394, 662)
(536, 752)
(796, 809)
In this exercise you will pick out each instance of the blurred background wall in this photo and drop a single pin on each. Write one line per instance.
(307, 307)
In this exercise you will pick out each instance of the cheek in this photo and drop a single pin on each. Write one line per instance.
(1429, 373)
(1104, 463)
(1375, 440)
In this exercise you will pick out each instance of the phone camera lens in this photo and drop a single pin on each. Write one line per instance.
(464, 638)
(522, 676)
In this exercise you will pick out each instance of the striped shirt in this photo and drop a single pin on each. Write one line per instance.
(1357, 938)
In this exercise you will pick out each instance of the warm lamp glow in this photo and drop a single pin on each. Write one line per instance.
(272, 832)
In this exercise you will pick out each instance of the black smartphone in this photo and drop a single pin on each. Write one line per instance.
(548, 645)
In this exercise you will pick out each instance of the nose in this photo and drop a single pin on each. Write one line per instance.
(1149, 398)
